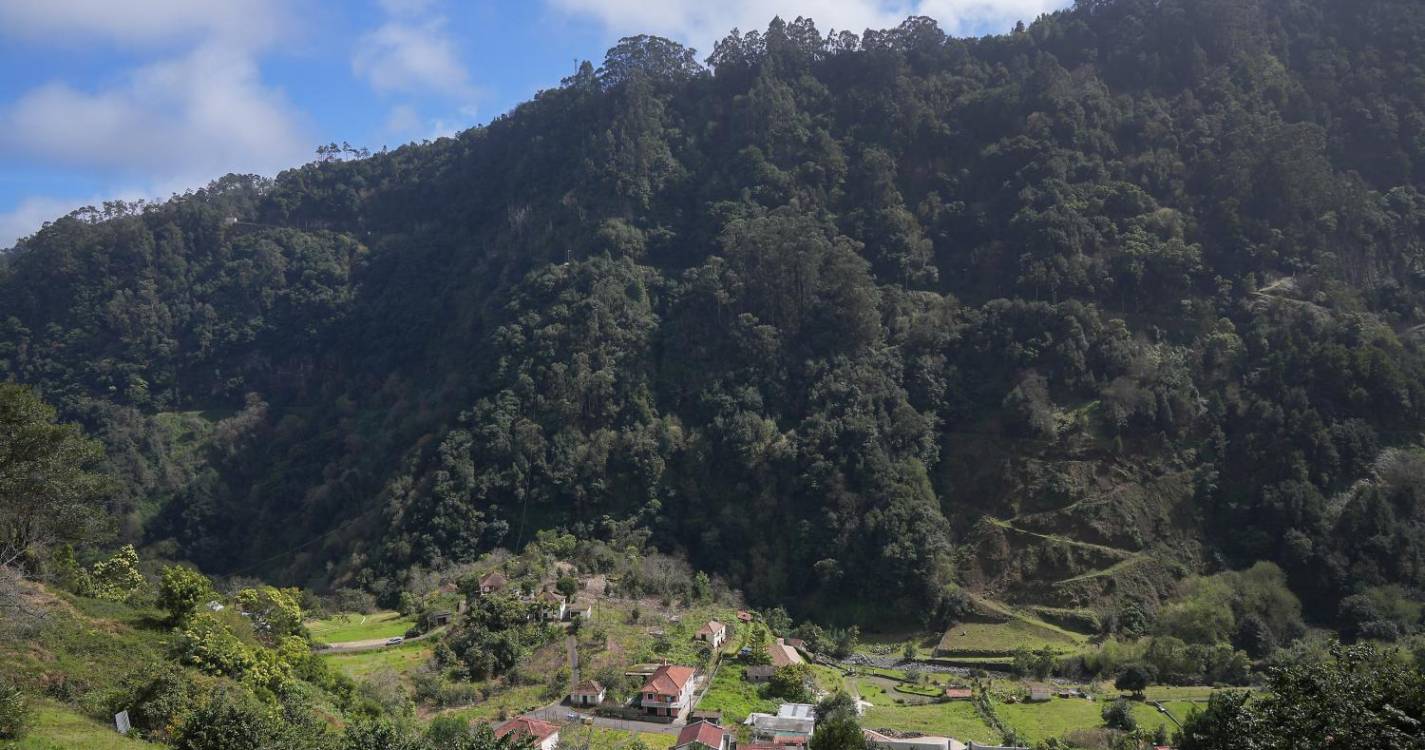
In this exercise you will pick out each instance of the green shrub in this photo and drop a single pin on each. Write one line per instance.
(14, 710)
(118, 579)
(181, 591)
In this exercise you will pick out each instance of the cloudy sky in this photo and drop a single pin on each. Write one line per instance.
(104, 99)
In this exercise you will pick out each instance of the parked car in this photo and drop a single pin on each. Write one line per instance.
(398, 640)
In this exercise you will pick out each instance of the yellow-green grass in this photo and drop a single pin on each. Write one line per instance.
(403, 659)
(732, 694)
(1007, 636)
(357, 627)
(57, 727)
(957, 719)
(503, 704)
(1149, 718)
(1040, 721)
(600, 738)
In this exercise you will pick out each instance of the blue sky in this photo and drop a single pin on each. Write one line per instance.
(103, 99)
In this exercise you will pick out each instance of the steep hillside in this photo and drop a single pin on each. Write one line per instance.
(1060, 315)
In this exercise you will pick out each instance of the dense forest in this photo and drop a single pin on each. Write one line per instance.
(1062, 316)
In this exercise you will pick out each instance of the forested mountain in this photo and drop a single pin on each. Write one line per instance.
(1059, 316)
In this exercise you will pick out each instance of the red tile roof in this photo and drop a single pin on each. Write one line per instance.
(782, 654)
(494, 580)
(703, 733)
(523, 725)
(668, 679)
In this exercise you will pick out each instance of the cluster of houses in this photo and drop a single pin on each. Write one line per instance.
(554, 606)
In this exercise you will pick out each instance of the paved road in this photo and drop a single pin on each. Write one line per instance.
(559, 714)
(348, 647)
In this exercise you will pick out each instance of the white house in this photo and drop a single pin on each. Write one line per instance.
(587, 693)
(792, 720)
(714, 632)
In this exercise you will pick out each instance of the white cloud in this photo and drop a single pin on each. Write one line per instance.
(412, 56)
(30, 215)
(701, 23)
(249, 22)
(193, 117)
(196, 108)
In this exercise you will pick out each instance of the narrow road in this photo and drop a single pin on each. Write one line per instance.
(348, 647)
(559, 714)
(571, 644)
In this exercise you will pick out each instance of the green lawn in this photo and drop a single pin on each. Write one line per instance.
(1040, 721)
(1007, 636)
(57, 727)
(355, 627)
(732, 694)
(957, 719)
(403, 659)
(600, 738)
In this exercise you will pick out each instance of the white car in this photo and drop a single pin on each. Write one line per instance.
(398, 640)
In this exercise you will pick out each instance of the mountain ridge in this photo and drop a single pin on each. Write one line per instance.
(821, 315)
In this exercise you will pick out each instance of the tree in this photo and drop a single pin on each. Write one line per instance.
(14, 710)
(836, 726)
(1119, 715)
(117, 579)
(790, 682)
(1357, 697)
(274, 612)
(50, 491)
(1134, 678)
(229, 719)
(180, 591)
(567, 586)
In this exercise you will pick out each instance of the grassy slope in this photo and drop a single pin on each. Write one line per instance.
(58, 727)
(352, 627)
(403, 659)
(732, 694)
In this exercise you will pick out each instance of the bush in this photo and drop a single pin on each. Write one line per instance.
(180, 592)
(1119, 715)
(155, 699)
(229, 720)
(118, 578)
(14, 711)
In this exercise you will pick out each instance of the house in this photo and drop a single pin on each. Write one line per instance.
(759, 672)
(493, 583)
(1039, 694)
(882, 741)
(959, 694)
(552, 604)
(782, 654)
(587, 693)
(438, 619)
(580, 611)
(792, 720)
(714, 632)
(705, 735)
(544, 735)
(668, 691)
